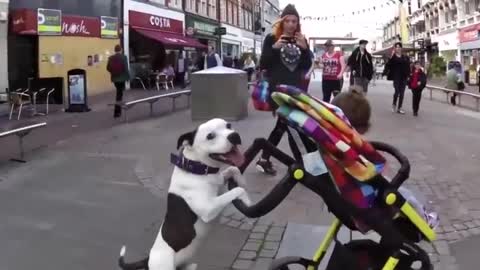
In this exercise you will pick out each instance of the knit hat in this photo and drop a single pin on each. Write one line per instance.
(290, 10)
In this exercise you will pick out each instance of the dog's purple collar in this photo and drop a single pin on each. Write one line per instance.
(192, 166)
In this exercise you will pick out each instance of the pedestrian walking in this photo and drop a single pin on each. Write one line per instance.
(117, 66)
(417, 82)
(360, 63)
(455, 80)
(249, 67)
(333, 69)
(212, 59)
(181, 69)
(397, 70)
(285, 57)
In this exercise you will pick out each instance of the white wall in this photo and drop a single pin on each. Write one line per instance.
(3, 47)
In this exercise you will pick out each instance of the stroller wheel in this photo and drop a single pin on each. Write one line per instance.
(290, 263)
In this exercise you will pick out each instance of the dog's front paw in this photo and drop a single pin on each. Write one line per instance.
(234, 172)
(244, 198)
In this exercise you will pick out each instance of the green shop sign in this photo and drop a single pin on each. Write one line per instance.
(204, 28)
(109, 27)
(49, 21)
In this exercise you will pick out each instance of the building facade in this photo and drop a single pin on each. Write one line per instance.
(50, 37)
(3, 48)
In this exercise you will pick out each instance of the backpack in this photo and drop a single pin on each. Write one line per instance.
(117, 66)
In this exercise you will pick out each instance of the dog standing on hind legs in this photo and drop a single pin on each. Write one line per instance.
(208, 157)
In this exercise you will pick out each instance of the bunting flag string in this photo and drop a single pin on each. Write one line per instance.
(388, 4)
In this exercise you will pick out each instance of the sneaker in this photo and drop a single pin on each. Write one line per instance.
(400, 111)
(266, 167)
(394, 108)
(415, 114)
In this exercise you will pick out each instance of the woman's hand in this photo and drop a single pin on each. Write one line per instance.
(301, 41)
(279, 43)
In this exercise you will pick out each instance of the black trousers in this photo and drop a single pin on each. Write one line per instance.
(250, 73)
(120, 86)
(329, 86)
(277, 134)
(181, 78)
(416, 97)
(399, 86)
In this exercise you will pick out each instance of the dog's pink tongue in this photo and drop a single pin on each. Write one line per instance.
(236, 157)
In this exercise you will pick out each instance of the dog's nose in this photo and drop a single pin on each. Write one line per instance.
(234, 138)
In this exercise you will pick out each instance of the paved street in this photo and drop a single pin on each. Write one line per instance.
(79, 199)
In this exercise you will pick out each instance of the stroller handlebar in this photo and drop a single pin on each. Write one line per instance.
(404, 171)
(278, 193)
(283, 188)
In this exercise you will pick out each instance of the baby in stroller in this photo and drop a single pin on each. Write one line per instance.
(350, 183)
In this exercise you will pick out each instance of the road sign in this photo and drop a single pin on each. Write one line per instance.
(221, 31)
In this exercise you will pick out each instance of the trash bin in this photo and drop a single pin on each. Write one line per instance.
(77, 91)
(219, 92)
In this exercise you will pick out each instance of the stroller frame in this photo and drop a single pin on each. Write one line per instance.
(389, 197)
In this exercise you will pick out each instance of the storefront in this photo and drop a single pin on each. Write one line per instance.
(154, 37)
(248, 41)
(202, 29)
(447, 44)
(46, 44)
(469, 46)
(232, 41)
(3, 48)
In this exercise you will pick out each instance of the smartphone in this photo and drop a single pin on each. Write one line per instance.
(289, 39)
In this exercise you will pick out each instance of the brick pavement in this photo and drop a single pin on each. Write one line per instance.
(439, 145)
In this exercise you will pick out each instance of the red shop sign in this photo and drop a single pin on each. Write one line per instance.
(24, 21)
(154, 22)
(469, 33)
(80, 26)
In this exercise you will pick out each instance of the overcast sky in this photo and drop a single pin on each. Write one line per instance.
(364, 25)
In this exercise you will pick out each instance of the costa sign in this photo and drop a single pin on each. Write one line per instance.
(154, 22)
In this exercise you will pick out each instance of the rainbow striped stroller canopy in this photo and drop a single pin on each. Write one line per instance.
(351, 161)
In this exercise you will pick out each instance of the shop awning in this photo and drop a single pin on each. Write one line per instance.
(171, 39)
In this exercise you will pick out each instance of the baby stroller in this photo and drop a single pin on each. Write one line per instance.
(346, 171)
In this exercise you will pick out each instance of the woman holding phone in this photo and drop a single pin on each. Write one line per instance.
(285, 57)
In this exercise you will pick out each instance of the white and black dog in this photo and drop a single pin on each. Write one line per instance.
(208, 156)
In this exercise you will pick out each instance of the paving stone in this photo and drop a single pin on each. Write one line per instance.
(229, 211)
(246, 227)
(470, 224)
(252, 246)
(251, 220)
(264, 221)
(475, 231)
(260, 228)
(234, 223)
(247, 255)
(434, 258)
(224, 220)
(260, 236)
(238, 216)
(465, 234)
(442, 247)
(448, 228)
(271, 245)
(276, 230)
(274, 237)
(262, 264)
(280, 224)
(267, 253)
(242, 264)
(477, 222)
(460, 227)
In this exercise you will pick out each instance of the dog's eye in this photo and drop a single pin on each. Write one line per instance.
(211, 136)
(229, 126)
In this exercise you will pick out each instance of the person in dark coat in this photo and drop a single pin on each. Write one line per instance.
(285, 57)
(417, 82)
(397, 70)
(361, 65)
(117, 65)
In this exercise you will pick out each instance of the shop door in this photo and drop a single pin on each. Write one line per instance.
(22, 60)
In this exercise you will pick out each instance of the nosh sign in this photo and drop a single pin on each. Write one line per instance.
(154, 22)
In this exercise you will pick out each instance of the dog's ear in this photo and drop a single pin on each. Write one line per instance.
(189, 137)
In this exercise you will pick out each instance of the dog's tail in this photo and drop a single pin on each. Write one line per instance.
(138, 265)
